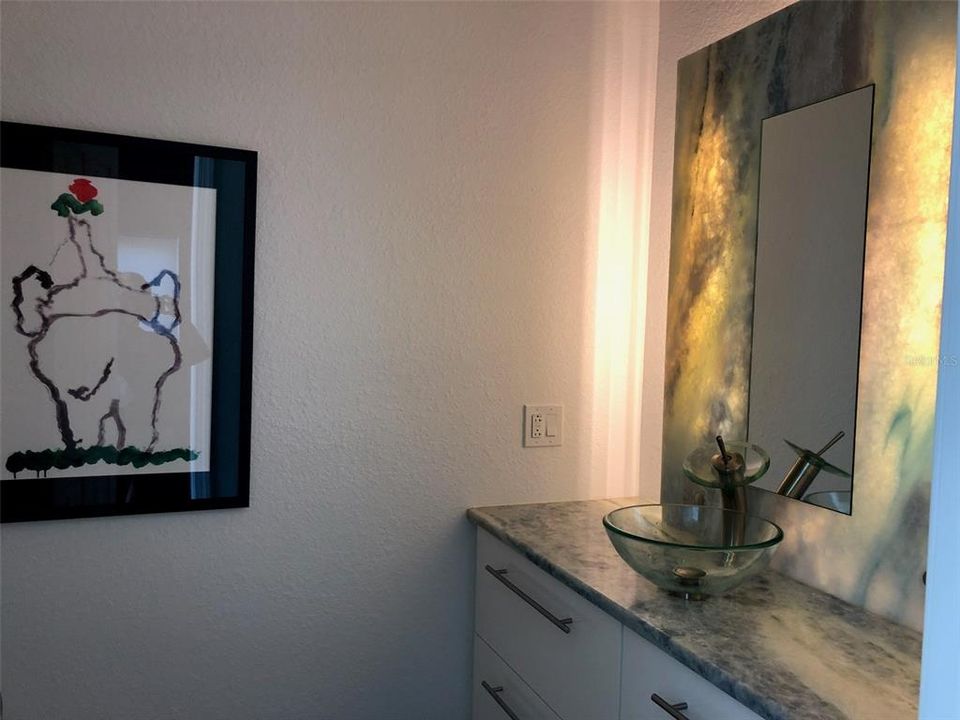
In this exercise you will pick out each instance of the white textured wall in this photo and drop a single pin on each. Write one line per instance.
(685, 26)
(430, 198)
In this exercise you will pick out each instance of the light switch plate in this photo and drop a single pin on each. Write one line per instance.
(542, 425)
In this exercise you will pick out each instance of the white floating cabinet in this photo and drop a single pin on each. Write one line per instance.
(575, 666)
(647, 670)
(542, 652)
(500, 694)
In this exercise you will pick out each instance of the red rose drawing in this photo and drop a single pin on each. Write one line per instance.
(83, 190)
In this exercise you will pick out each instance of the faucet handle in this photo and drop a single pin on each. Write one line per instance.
(728, 465)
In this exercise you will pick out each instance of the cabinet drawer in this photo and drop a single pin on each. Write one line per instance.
(574, 667)
(492, 678)
(648, 670)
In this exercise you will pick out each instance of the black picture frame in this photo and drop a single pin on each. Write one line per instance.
(233, 174)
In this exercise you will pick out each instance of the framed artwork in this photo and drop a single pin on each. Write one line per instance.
(125, 325)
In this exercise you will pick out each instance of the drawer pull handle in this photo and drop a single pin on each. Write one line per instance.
(562, 623)
(495, 694)
(673, 710)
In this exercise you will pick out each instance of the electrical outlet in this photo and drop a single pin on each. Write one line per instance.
(536, 425)
(542, 425)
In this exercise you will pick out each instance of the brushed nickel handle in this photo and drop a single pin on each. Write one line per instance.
(495, 694)
(562, 623)
(672, 709)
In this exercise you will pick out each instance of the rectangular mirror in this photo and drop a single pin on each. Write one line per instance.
(808, 292)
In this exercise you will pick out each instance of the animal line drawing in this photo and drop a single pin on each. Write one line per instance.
(105, 398)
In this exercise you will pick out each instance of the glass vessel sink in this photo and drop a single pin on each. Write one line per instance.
(686, 550)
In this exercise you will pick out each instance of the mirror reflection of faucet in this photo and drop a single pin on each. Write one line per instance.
(806, 468)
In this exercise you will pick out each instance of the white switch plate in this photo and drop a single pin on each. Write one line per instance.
(542, 425)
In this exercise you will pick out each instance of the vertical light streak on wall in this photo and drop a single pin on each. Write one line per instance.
(715, 257)
(629, 90)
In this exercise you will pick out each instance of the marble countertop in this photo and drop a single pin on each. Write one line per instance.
(783, 649)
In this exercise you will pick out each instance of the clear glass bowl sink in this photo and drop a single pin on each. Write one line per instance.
(692, 550)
